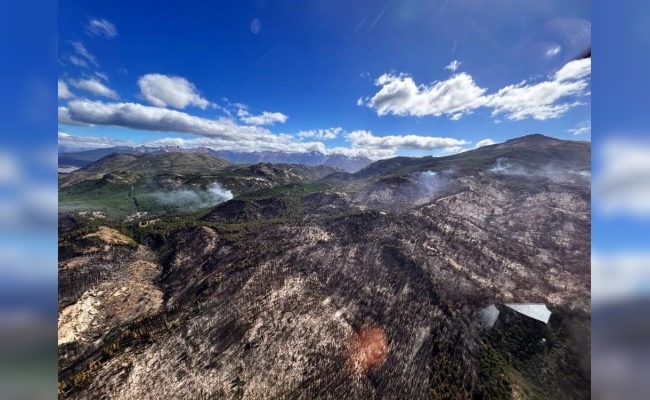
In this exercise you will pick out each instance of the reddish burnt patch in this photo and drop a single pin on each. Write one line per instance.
(368, 350)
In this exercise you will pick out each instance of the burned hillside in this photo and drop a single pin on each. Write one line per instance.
(367, 287)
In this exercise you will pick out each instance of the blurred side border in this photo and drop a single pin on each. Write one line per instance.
(620, 200)
(28, 199)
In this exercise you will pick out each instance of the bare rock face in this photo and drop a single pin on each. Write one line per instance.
(370, 290)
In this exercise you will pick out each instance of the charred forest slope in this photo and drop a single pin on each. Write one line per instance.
(354, 286)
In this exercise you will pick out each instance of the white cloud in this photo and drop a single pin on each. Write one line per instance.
(101, 27)
(141, 117)
(243, 144)
(78, 61)
(321, 134)
(373, 154)
(162, 91)
(88, 142)
(81, 50)
(400, 95)
(453, 66)
(101, 75)
(365, 139)
(581, 128)
(459, 95)
(95, 87)
(266, 118)
(64, 92)
(454, 149)
(66, 119)
(228, 135)
(577, 69)
(622, 186)
(484, 142)
(542, 100)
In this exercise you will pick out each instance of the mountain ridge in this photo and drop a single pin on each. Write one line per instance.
(348, 163)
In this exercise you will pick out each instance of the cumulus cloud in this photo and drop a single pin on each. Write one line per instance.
(453, 66)
(162, 91)
(541, 100)
(88, 142)
(399, 95)
(266, 118)
(321, 134)
(484, 142)
(366, 139)
(581, 128)
(101, 27)
(460, 95)
(85, 54)
(66, 119)
(95, 87)
(64, 92)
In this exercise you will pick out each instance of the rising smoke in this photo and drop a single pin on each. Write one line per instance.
(549, 171)
(432, 183)
(213, 195)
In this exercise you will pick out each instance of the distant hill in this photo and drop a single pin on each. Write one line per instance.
(167, 162)
(526, 153)
(349, 164)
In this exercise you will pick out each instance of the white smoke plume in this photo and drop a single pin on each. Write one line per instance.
(432, 183)
(213, 195)
(552, 172)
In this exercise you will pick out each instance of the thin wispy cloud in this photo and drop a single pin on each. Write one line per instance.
(85, 142)
(101, 27)
(79, 62)
(95, 87)
(360, 24)
(582, 128)
(453, 66)
(381, 14)
(101, 75)
(86, 56)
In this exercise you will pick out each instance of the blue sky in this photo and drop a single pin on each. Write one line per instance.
(374, 78)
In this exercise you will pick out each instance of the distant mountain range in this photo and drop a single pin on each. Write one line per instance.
(347, 163)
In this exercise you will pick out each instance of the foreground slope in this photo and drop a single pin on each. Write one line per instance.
(367, 285)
